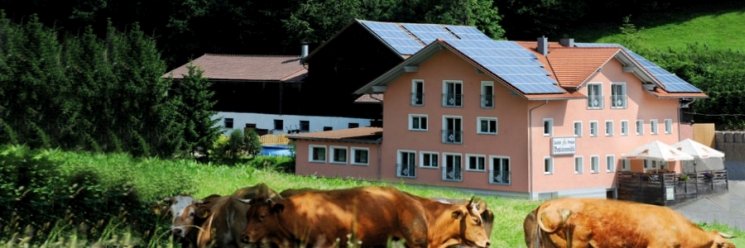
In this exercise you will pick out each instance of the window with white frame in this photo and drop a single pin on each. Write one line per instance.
(618, 95)
(487, 94)
(338, 154)
(653, 126)
(487, 125)
(593, 128)
(451, 168)
(317, 153)
(594, 96)
(548, 165)
(624, 128)
(594, 164)
(500, 170)
(579, 164)
(417, 92)
(475, 162)
(360, 156)
(608, 128)
(548, 126)
(625, 164)
(610, 163)
(406, 164)
(452, 93)
(452, 132)
(639, 127)
(668, 126)
(429, 159)
(417, 122)
(578, 129)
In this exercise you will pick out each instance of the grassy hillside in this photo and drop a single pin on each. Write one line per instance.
(717, 26)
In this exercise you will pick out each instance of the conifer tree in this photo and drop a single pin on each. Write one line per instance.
(200, 129)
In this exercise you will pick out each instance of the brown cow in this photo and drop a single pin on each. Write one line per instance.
(370, 215)
(225, 220)
(186, 222)
(608, 223)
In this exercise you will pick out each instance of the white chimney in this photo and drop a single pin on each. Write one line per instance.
(542, 46)
(304, 50)
(566, 42)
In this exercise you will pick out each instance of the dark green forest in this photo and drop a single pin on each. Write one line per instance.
(86, 74)
(185, 29)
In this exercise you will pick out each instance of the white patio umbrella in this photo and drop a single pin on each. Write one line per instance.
(706, 157)
(658, 151)
(697, 149)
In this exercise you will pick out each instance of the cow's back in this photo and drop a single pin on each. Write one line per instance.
(369, 214)
(610, 223)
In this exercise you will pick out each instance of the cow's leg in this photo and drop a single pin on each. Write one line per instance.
(415, 233)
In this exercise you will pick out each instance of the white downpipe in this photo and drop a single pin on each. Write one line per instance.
(530, 148)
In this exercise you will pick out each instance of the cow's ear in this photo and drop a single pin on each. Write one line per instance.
(457, 214)
(277, 207)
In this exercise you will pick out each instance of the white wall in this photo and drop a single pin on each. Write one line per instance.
(266, 121)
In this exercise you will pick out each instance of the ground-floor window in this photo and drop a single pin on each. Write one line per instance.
(578, 165)
(406, 165)
(500, 170)
(451, 170)
(548, 165)
(360, 156)
(317, 154)
(339, 155)
(610, 161)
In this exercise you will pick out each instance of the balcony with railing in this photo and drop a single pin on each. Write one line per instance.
(452, 137)
(618, 101)
(417, 99)
(452, 100)
(595, 101)
(487, 101)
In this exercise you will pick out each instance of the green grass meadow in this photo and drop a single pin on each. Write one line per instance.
(718, 26)
(155, 179)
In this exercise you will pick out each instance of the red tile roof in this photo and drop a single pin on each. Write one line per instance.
(572, 66)
(246, 68)
(360, 133)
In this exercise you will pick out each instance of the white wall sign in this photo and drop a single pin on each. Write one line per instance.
(563, 146)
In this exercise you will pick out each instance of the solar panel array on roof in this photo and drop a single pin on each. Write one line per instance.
(669, 81)
(511, 62)
(508, 60)
(394, 36)
(468, 33)
(428, 33)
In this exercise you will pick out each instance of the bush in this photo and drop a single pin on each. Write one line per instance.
(35, 192)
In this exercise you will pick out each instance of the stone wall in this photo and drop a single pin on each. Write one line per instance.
(732, 143)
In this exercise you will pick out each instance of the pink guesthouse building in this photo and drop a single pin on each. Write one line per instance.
(527, 119)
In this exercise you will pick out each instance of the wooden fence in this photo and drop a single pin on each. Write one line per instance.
(669, 188)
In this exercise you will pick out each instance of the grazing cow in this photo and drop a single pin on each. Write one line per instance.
(185, 220)
(225, 219)
(486, 215)
(370, 215)
(608, 223)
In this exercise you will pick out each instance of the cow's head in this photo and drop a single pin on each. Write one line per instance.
(721, 240)
(471, 223)
(261, 217)
(189, 214)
